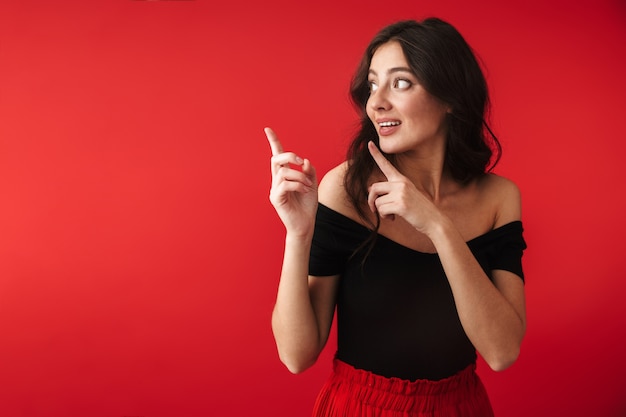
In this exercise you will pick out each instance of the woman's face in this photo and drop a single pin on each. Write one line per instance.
(406, 116)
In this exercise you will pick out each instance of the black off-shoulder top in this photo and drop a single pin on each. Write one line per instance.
(396, 316)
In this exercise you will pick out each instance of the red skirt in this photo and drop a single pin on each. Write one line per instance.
(351, 392)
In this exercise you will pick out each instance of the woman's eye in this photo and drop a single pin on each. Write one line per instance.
(402, 84)
(373, 86)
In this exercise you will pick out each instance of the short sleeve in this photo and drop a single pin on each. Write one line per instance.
(501, 248)
(334, 240)
(507, 248)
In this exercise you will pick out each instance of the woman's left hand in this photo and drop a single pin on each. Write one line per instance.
(398, 196)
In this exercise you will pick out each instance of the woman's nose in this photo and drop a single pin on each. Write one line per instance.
(378, 100)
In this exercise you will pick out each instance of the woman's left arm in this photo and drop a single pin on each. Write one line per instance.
(492, 312)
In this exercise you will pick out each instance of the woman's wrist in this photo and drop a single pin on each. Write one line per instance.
(442, 230)
(299, 238)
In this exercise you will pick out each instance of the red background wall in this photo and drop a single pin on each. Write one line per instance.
(139, 254)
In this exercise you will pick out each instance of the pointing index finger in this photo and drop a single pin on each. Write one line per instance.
(383, 163)
(277, 147)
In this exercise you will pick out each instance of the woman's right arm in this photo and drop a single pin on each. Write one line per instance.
(305, 305)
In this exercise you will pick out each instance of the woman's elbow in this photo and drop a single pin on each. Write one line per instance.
(297, 365)
(504, 360)
(297, 357)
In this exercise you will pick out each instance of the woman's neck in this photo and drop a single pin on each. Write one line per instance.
(427, 173)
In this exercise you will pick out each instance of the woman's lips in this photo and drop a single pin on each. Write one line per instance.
(388, 127)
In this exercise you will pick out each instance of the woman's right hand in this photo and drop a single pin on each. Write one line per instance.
(294, 191)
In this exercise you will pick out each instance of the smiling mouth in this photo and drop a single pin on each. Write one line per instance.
(388, 124)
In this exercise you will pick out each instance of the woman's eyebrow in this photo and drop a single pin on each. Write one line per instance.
(392, 70)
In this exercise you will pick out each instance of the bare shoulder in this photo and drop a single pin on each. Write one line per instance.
(505, 195)
(331, 189)
(332, 192)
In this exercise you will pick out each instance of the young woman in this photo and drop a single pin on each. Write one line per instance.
(412, 240)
